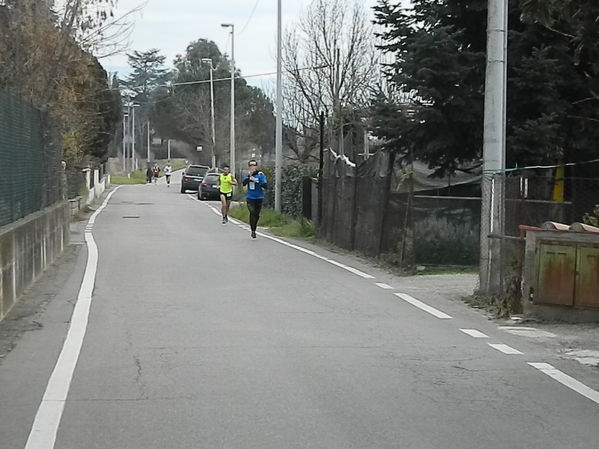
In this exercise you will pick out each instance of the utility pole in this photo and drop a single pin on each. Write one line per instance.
(232, 26)
(209, 61)
(149, 142)
(338, 98)
(492, 205)
(168, 151)
(125, 119)
(133, 138)
(279, 123)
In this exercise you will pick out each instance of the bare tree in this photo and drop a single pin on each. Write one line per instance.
(94, 26)
(331, 65)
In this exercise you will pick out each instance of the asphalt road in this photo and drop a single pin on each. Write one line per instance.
(200, 337)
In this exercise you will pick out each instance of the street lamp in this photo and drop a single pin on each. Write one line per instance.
(230, 25)
(209, 61)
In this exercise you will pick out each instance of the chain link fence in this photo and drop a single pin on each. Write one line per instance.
(375, 208)
(30, 160)
(519, 200)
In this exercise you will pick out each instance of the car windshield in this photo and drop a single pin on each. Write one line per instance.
(196, 171)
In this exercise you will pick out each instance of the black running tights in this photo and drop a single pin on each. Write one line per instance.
(255, 207)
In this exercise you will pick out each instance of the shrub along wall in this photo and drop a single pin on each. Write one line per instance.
(291, 189)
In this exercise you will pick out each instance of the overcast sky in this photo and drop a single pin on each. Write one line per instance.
(170, 25)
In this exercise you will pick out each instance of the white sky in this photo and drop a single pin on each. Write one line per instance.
(170, 25)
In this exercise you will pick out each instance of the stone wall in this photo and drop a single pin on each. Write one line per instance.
(27, 247)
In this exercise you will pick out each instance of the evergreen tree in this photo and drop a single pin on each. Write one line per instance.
(147, 74)
(439, 48)
(440, 54)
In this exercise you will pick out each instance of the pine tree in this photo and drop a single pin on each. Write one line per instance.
(440, 55)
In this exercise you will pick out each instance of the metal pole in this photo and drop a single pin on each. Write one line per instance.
(149, 142)
(168, 145)
(338, 96)
(233, 166)
(279, 123)
(212, 114)
(124, 143)
(492, 211)
(133, 139)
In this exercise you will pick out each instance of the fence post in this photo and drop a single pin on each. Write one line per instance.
(386, 199)
(321, 169)
(307, 197)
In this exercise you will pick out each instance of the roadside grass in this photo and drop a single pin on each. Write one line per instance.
(137, 177)
(278, 224)
(427, 270)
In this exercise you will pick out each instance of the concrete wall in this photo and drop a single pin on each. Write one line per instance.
(27, 247)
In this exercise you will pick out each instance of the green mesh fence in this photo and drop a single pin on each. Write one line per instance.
(22, 164)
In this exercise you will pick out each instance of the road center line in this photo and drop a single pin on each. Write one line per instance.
(423, 306)
(384, 286)
(474, 333)
(568, 381)
(505, 349)
(49, 414)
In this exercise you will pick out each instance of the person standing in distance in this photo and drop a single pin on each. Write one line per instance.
(256, 183)
(168, 171)
(226, 181)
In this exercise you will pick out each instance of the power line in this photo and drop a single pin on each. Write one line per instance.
(188, 83)
(250, 18)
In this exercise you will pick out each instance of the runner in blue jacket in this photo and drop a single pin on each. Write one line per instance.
(255, 181)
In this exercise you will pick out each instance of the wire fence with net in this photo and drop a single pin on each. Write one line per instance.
(32, 177)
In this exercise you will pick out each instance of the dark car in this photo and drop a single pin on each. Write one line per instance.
(192, 176)
(208, 189)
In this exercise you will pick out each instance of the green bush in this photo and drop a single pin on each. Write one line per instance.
(439, 241)
(291, 188)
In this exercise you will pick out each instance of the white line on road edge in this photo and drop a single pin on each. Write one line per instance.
(505, 349)
(474, 333)
(47, 419)
(423, 306)
(384, 286)
(568, 381)
(303, 250)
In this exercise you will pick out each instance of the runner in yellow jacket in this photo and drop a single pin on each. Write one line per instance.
(226, 181)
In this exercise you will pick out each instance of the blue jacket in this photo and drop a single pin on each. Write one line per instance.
(255, 190)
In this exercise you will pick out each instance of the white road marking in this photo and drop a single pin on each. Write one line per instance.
(423, 306)
(299, 248)
(527, 332)
(384, 286)
(568, 381)
(505, 349)
(474, 333)
(48, 416)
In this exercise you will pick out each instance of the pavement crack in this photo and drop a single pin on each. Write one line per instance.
(139, 378)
